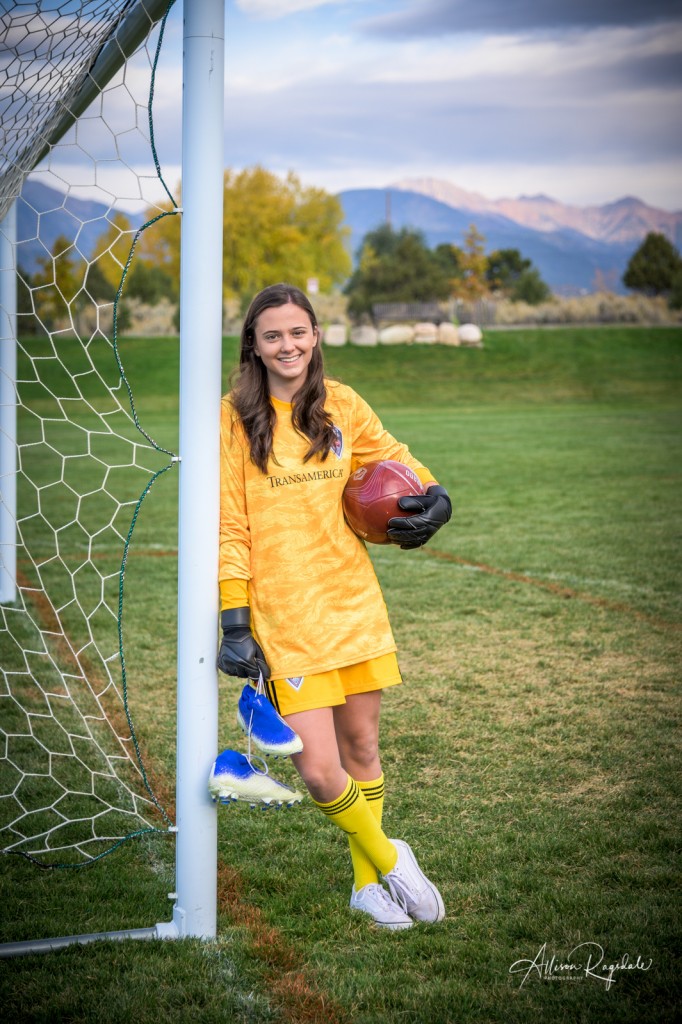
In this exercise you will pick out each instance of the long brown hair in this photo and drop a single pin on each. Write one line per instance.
(251, 393)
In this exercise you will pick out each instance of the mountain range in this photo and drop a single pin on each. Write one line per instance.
(44, 214)
(625, 220)
(575, 249)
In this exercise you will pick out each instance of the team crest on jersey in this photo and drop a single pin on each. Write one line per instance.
(296, 682)
(337, 444)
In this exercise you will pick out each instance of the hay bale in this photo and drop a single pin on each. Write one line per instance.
(364, 335)
(397, 334)
(470, 336)
(335, 334)
(448, 334)
(425, 333)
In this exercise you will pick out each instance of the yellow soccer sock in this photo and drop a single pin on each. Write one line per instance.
(364, 871)
(352, 813)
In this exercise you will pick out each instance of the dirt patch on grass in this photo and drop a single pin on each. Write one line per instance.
(288, 985)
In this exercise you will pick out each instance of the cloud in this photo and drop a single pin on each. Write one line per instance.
(279, 8)
(400, 123)
(436, 17)
(634, 56)
(585, 116)
(662, 71)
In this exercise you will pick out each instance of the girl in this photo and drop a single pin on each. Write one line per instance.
(300, 602)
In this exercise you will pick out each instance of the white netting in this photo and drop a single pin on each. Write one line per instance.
(47, 49)
(72, 781)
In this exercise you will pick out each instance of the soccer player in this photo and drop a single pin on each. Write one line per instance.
(301, 606)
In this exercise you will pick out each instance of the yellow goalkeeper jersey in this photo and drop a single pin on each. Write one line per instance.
(315, 600)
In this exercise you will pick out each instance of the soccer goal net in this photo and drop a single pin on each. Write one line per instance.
(78, 459)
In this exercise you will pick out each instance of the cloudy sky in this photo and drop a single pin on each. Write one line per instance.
(580, 100)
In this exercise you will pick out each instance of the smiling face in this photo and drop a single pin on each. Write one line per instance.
(284, 338)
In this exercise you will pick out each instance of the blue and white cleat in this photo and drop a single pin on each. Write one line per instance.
(234, 778)
(262, 722)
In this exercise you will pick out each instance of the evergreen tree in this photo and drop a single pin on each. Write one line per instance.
(653, 266)
(529, 287)
(516, 277)
(675, 297)
(396, 266)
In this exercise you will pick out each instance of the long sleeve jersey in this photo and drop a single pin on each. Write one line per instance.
(315, 600)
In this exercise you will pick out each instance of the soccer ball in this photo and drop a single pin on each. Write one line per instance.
(370, 498)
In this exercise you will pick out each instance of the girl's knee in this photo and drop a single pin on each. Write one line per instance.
(361, 751)
(324, 779)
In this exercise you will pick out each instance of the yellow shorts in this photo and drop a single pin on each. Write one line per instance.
(328, 689)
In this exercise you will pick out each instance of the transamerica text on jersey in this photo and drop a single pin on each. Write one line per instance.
(303, 478)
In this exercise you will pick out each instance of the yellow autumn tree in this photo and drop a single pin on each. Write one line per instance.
(473, 265)
(113, 248)
(159, 244)
(278, 230)
(58, 285)
(274, 229)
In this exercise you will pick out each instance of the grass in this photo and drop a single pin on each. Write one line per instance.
(531, 756)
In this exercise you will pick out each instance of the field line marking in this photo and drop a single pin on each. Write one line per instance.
(557, 589)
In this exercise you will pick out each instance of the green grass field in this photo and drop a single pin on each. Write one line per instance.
(531, 756)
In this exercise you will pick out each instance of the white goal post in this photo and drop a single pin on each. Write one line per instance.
(201, 255)
(8, 410)
(195, 896)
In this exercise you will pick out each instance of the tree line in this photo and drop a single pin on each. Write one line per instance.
(273, 229)
(277, 229)
(398, 266)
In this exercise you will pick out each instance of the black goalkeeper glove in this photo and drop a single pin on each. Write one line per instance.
(239, 653)
(431, 511)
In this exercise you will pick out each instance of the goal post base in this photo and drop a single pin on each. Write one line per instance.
(165, 930)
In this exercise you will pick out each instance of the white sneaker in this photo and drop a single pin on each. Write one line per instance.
(373, 899)
(411, 889)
